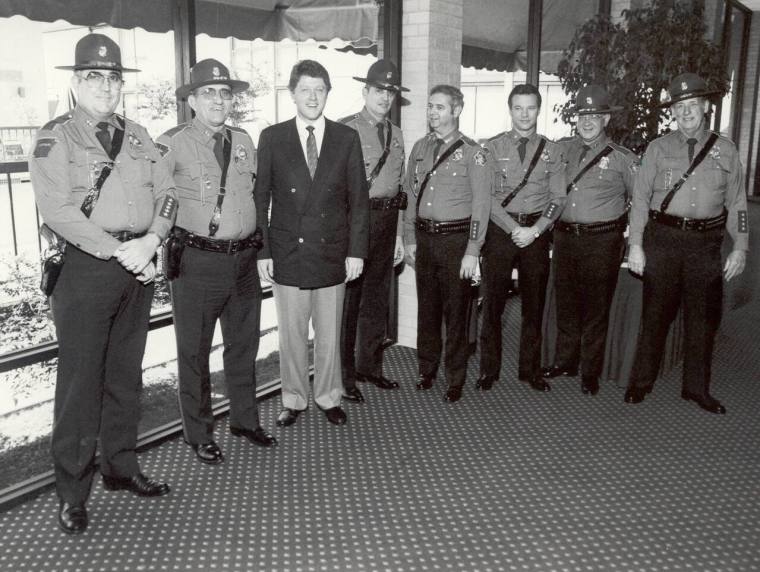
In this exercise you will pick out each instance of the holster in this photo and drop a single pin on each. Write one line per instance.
(172, 254)
(52, 259)
(258, 238)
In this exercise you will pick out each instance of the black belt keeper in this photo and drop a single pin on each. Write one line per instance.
(443, 226)
(525, 219)
(694, 224)
(397, 202)
(218, 245)
(592, 228)
(125, 235)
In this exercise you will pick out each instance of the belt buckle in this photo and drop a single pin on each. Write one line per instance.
(576, 228)
(684, 224)
(522, 218)
(230, 247)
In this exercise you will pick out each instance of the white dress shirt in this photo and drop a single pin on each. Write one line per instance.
(303, 133)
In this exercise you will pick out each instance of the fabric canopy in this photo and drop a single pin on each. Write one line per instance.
(272, 20)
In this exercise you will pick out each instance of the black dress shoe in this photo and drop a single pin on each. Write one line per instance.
(287, 417)
(453, 394)
(538, 383)
(336, 416)
(556, 371)
(72, 518)
(590, 385)
(635, 394)
(708, 403)
(256, 436)
(380, 381)
(138, 484)
(353, 394)
(208, 453)
(485, 382)
(425, 382)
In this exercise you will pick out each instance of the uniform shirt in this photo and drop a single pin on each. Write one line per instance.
(716, 184)
(603, 191)
(188, 153)
(457, 189)
(545, 189)
(389, 179)
(138, 195)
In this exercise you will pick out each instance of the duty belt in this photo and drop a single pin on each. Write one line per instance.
(125, 235)
(443, 226)
(389, 203)
(695, 224)
(525, 219)
(593, 227)
(215, 244)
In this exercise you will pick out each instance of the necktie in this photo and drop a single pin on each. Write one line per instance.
(585, 149)
(437, 148)
(692, 142)
(104, 136)
(219, 149)
(311, 151)
(381, 134)
(521, 148)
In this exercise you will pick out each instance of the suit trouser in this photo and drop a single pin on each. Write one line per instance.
(682, 268)
(442, 298)
(366, 305)
(101, 320)
(586, 271)
(295, 306)
(499, 253)
(216, 286)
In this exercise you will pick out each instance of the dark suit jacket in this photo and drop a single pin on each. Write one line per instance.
(313, 225)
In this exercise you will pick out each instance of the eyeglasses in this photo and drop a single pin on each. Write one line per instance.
(592, 116)
(211, 93)
(96, 79)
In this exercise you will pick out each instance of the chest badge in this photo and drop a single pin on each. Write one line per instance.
(241, 153)
(457, 156)
(604, 163)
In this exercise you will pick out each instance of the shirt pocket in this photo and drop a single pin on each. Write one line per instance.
(140, 168)
(716, 175)
(501, 171)
(669, 170)
(194, 187)
(86, 164)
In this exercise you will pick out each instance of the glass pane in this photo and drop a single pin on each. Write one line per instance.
(729, 111)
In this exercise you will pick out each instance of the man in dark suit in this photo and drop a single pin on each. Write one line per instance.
(311, 173)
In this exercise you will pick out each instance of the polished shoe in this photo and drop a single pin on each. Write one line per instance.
(590, 385)
(72, 518)
(453, 394)
(138, 484)
(708, 403)
(336, 416)
(635, 394)
(538, 383)
(556, 371)
(485, 382)
(287, 417)
(378, 380)
(353, 394)
(425, 382)
(256, 436)
(208, 453)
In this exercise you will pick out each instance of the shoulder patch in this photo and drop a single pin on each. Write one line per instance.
(162, 149)
(43, 147)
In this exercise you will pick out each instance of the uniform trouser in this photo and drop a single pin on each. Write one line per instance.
(682, 268)
(499, 253)
(366, 305)
(216, 286)
(586, 270)
(101, 319)
(295, 307)
(442, 298)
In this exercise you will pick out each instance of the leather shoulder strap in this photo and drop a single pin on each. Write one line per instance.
(694, 164)
(531, 166)
(440, 160)
(603, 153)
(384, 157)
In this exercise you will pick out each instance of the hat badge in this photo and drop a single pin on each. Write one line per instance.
(215, 71)
(684, 86)
(389, 75)
(102, 51)
(589, 101)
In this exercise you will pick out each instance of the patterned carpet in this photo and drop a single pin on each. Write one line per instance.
(510, 480)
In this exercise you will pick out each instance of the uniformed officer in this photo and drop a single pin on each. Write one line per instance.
(366, 303)
(100, 185)
(688, 192)
(588, 238)
(448, 178)
(527, 196)
(214, 166)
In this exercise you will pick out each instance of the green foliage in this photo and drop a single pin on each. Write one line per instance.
(158, 99)
(636, 60)
(243, 103)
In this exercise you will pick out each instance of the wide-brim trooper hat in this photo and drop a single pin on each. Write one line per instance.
(383, 74)
(593, 99)
(97, 52)
(686, 86)
(207, 72)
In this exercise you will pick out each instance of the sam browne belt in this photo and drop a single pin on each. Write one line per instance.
(695, 224)
(443, 226)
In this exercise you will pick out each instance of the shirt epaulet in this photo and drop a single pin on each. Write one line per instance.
(470, 141)
(175, 130)
(495, 137)
(60, 120)
(348, 119)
